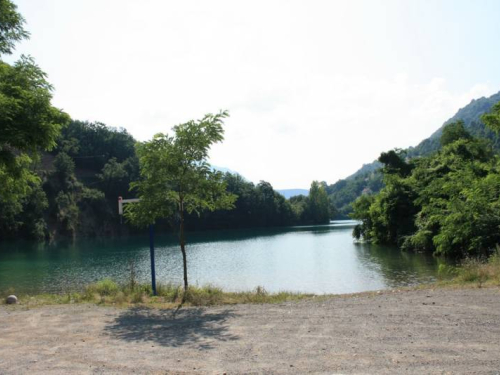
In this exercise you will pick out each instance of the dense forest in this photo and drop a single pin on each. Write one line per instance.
(79, 181)
(447, 203)
(368, 179)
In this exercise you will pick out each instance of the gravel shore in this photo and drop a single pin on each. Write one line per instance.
(421, 331)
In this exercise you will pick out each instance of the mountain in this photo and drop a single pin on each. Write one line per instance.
(471, 116)
(223, 169)
(368, 179)
(288, 193)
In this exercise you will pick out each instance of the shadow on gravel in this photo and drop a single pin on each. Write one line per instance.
(197, 328)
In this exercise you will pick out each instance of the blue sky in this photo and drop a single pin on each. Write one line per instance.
(314, 88)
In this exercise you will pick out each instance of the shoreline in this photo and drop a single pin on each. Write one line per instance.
(169, 296)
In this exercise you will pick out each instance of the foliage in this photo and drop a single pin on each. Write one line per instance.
(176, 177)
(453, 132)
(387, 217)
(394, 163)
(29, 124)
(343, 193)
(88, 205)
(318, 205)
(258, 206)
(368, 179)
(492, 119)
(93, 144)
(68, 198)
(11, 27)
(175, 174)
(17, 180)
(448, 203)
(115, 177)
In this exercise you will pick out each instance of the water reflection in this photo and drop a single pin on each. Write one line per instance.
(398, 268)
(316, 259)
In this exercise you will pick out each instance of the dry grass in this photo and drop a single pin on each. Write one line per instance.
(108, 292)
(480, 272)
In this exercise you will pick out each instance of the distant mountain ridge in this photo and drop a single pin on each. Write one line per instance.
(288, 193)
(368, 178)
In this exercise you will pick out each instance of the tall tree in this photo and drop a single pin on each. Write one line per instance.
(28, 121)
(176, 177)
(319, 205)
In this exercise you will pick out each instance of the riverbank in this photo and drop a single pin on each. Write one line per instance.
(470, 274)
(420, 331)
(109, 293)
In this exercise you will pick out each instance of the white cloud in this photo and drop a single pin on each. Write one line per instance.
(314, 90)
(332, 125)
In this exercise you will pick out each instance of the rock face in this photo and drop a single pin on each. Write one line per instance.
(11, 300)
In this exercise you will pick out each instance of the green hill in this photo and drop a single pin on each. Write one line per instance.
(368, 179)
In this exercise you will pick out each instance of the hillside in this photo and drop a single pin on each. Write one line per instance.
(368, 180)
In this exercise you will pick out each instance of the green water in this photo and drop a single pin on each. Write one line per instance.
(315, 259)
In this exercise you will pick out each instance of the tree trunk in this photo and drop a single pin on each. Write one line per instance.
(183, 247)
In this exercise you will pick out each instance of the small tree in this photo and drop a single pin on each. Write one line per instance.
(176, 177)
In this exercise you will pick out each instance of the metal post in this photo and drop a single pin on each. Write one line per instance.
(152, 254)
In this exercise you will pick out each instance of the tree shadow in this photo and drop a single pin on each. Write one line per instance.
(193, 327)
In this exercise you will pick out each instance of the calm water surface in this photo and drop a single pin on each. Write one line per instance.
(315, 259)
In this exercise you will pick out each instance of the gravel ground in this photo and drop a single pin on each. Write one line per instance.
(421, 332)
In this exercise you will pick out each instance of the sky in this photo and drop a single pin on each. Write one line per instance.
(314, 88)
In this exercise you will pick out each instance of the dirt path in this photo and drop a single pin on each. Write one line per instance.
(425, 331)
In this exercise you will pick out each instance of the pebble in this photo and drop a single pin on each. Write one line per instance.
(11, 300)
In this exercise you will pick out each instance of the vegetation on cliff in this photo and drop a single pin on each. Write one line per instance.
(447, 203)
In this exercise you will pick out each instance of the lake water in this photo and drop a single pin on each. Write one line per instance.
(314, 259)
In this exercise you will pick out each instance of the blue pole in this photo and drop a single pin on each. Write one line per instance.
(152, 254)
